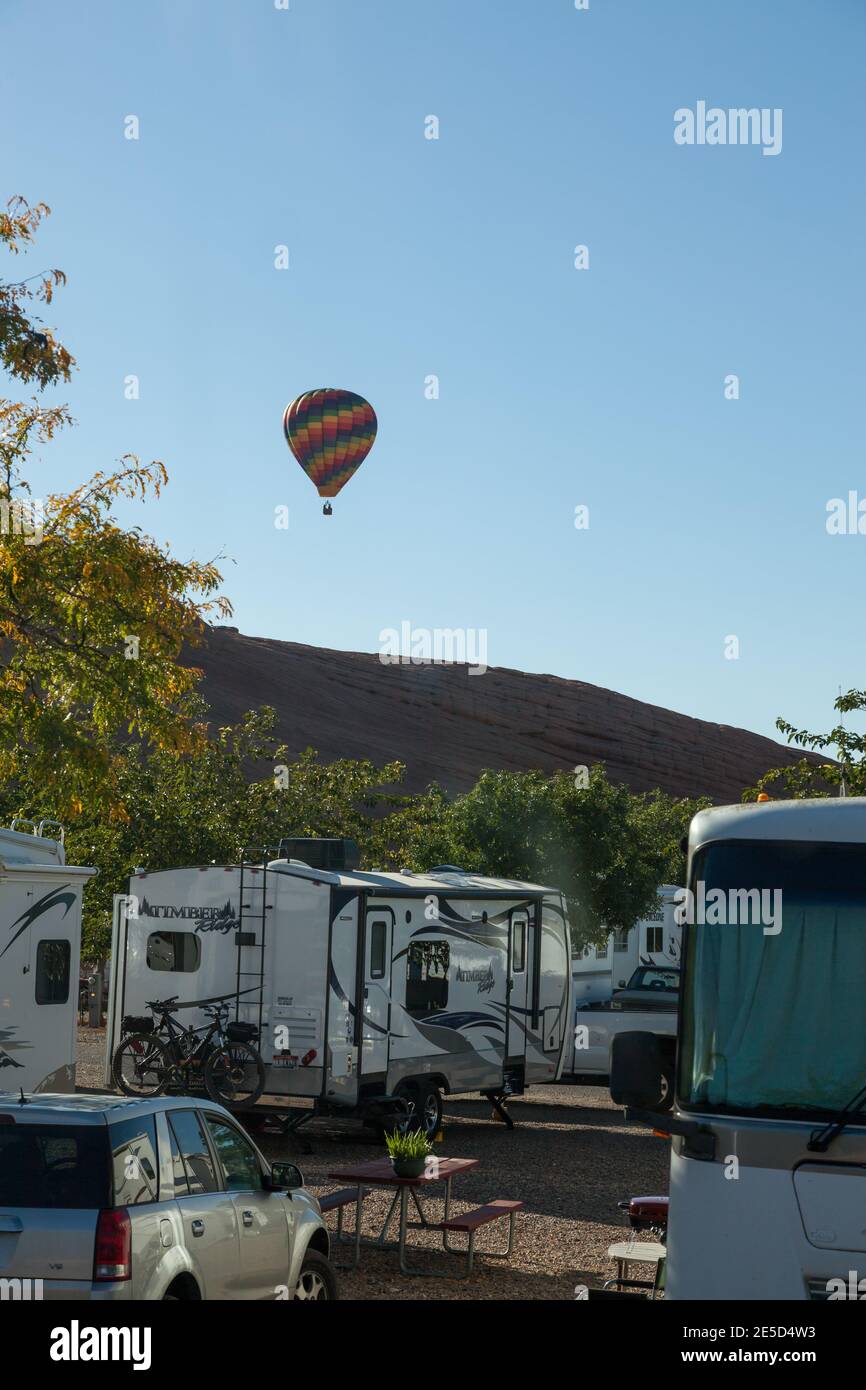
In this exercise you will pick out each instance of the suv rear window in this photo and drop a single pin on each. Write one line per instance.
(54, 1166)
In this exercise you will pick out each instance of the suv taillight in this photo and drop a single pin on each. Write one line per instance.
(112, 1255)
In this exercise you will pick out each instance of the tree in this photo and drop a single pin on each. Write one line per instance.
(607, 849)
(28, 350)
(238, 792)
(810, 777)
(93, 618)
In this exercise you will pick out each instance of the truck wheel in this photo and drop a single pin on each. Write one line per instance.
(317, 1279)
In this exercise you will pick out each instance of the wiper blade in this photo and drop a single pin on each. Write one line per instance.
(821, 1139)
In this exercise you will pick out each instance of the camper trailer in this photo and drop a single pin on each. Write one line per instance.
(600, 970)
(40, 945)
(366, 987)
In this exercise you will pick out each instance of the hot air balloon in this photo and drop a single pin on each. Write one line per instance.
(330, 432)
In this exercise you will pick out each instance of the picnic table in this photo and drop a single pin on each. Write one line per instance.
(379, 1173)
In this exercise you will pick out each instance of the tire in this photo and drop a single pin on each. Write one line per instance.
(141, 1065)
(317, 1279)
(425, 1107)
(234, 1075)
(666, 1090)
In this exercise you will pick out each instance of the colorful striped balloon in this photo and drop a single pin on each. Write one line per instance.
(330, 432)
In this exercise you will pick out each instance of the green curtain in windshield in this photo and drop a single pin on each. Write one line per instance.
(778, 1020)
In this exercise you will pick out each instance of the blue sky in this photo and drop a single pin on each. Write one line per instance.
(409, 257)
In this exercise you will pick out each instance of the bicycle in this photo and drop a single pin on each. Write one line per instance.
(153, 1057)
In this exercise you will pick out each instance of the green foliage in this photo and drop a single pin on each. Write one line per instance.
(413, 1144)
(94, 618)
(605, 848)
(28, 349)
(204, 807)
(808, 778)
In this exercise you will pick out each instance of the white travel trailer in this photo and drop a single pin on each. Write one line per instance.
(771, 1062)
(40, 947)
(365, 986)
(654, 940)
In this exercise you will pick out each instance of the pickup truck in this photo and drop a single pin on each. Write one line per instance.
(596, 1026)
(650, 987)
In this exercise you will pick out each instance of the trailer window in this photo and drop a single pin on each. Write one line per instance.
(174, 950)
(620, 940)
(427, 977)
(655, 938)
(518, 952)
(52, 972)
(133, 1149)
(378, 943)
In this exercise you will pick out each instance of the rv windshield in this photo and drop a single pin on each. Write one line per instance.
(773, 1016)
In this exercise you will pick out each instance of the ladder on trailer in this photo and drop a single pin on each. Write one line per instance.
(252, 932)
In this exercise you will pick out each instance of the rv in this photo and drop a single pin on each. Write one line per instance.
(40, 947)
(368, 988)
(655, 940)
(768, 1160)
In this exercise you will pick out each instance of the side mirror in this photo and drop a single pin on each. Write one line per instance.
(284, 1177)
(635, 1067)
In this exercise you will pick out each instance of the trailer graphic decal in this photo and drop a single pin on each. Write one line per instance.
(483, 978)
(219, 919)
(458, 1021)
(7, 1046)
(53, 898)
(344, 999)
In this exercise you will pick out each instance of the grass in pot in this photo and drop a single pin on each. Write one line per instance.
(408, 1152)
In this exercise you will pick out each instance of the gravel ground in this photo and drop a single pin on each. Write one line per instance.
(571, 1158)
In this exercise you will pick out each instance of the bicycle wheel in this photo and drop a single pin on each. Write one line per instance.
(141, 1065)
(234, 1075)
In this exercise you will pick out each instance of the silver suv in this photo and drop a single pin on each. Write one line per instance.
(104, 1197)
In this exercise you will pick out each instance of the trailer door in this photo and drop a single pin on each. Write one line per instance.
(376, 1016)
(518, 977)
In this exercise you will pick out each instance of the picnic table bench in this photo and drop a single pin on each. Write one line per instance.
(472, 1221)
(338, 1201)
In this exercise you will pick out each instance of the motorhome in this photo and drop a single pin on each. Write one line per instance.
(40, 948)
(768, 1161)
(655, 940)
(365, 986)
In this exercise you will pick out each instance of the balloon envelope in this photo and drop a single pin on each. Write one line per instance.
(330, 432)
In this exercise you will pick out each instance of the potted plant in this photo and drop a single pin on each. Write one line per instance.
(408, 1152)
